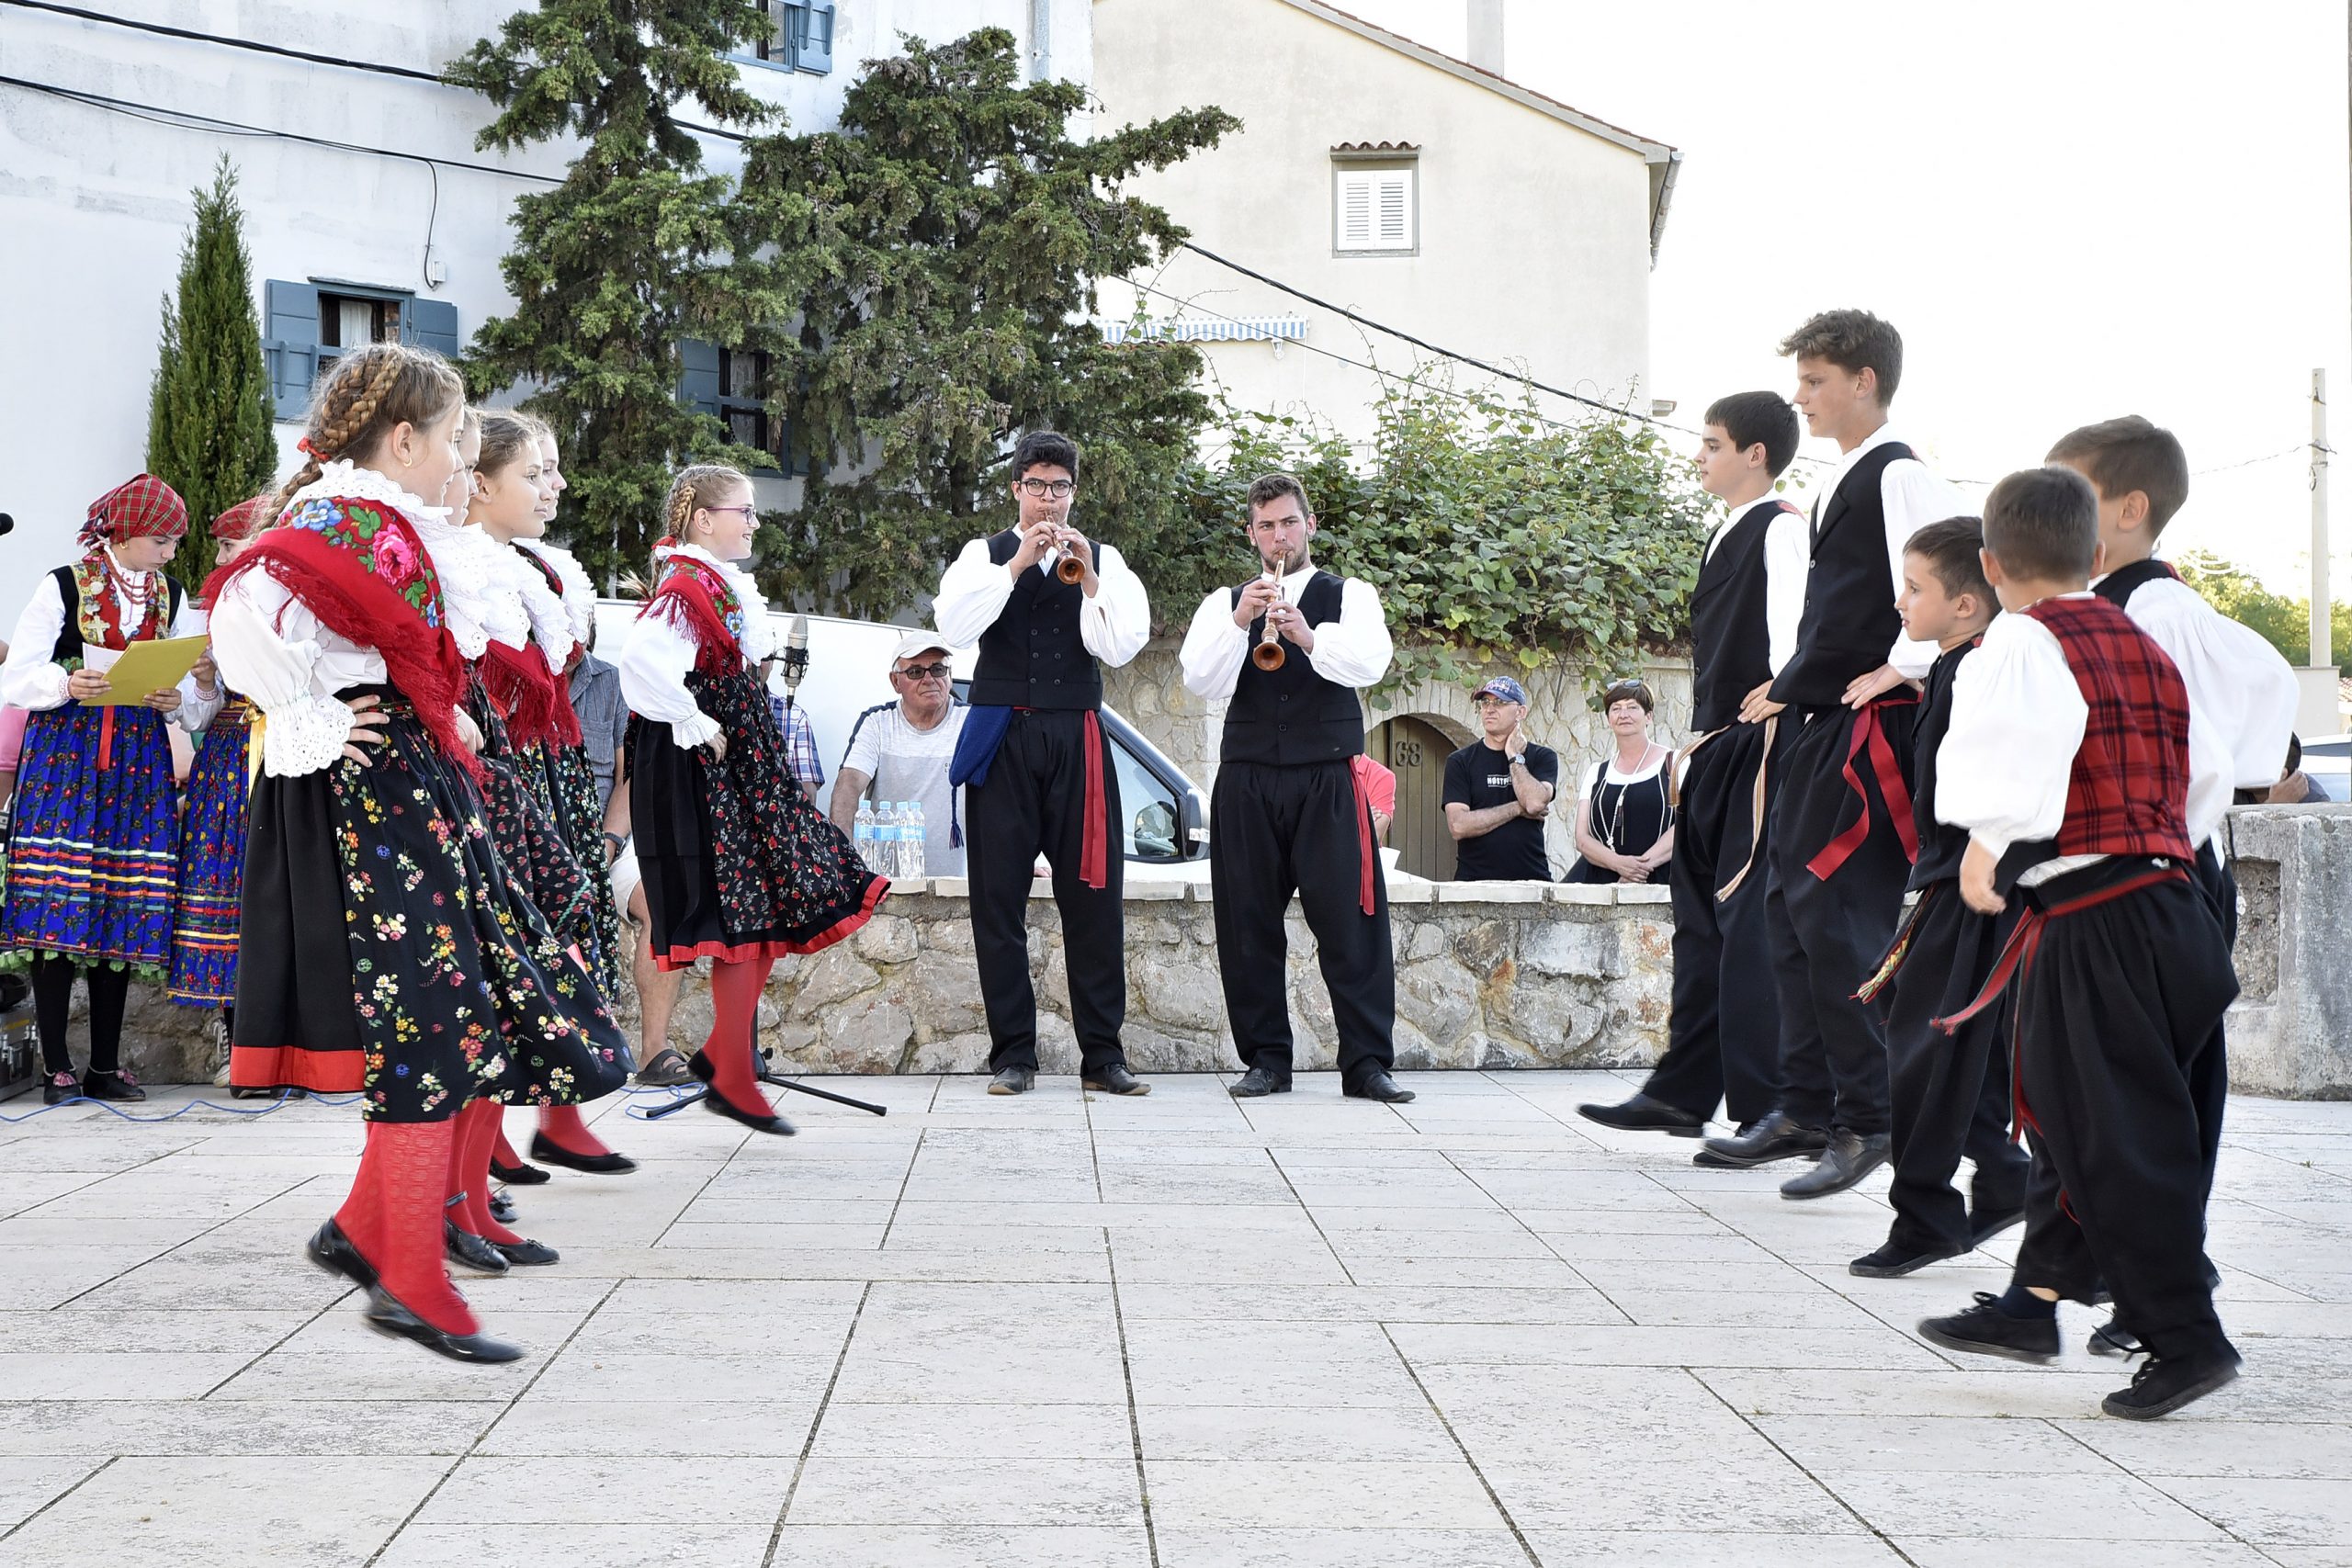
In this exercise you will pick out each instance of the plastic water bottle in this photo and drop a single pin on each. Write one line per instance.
(911, 831)
(862, 834)
(886, 838)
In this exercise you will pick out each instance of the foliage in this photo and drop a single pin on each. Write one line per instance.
(208, 432)
(924, 284)
(625, 259)
(2285, 623)
(1496, 539)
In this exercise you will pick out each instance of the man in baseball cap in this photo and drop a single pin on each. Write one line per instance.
(900, 750)
(1498, 791)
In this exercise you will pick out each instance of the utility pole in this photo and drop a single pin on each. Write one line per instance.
(2322, 653)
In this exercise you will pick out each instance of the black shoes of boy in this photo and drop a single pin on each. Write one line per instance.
(111, 1086)
(1643, 1115)
(1986, 1330)
(1894, 1260)
(1849, 1157)
(1013, 1080)
(1776, 1136)
(387, 1316)
(547, 1151)
(1381, 1086)
(2161, 1387)
(2111, 1339)
(1256, 1083)
(1115, 1079)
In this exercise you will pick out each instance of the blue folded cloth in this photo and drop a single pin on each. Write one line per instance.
(976, 747)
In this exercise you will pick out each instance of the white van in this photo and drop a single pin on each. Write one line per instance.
(1166, 830)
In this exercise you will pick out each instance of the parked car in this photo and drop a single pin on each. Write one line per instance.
(2327, 762)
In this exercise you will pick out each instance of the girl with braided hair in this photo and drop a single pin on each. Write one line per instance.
(386, 947)
(92, 846)
(738, 866)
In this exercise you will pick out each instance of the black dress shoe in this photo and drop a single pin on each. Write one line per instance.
(517, 1175)
(1984, 1225)
(1256, 1082)
(332, 1250)
(758, 1122)
(2111, 1339)
(1895, 1260)
(2161, 1387)
(502, 1208)
(111, 1086)
(1776, 1136)
(388, 1317)
(547, 1151)
(60, 1087)
(1380, 1086)
(527, 1253)
(1986, 1330)
(1013, 1080)
(1115, 1079)
(1643, 1115)
(1849, 1157)
(469, 1251)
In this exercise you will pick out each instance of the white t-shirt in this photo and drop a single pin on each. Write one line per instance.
(906, 764)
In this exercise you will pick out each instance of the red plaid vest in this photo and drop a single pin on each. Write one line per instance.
(2129, 794)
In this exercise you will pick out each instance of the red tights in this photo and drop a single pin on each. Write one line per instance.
(477, 1133)
(393, 1216)
(735, 1000)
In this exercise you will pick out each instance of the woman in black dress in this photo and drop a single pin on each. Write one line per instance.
(740, 867)
(1625, 819)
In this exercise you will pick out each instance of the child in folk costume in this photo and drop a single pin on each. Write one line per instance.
(93, 850)
(384, 947)
(213, 826)
(738, 866)
(2069, 761)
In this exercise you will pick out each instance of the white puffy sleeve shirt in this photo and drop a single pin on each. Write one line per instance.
(1112, 625)
(271, 648)
(653, 665)
(1353, 651)
(34, 681)
(2239, 687)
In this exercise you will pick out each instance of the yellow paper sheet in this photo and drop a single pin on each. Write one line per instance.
(145, 667)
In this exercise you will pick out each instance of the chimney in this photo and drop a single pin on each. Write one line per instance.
(1486, 35)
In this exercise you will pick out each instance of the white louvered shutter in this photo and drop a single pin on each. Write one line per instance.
(1373, 210)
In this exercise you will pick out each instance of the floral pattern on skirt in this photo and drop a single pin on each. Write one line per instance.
(92, 852)
(580, 817)
(213, 861)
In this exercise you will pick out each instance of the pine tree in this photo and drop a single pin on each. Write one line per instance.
(925, 288)
(209, 417)
(628, 256)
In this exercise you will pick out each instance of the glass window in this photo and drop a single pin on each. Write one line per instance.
(1152, 824)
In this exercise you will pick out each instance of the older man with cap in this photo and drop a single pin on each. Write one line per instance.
(1498, 790)
(900, 750)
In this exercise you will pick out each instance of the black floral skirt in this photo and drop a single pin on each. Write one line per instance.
(579, 815)
(385, 948)
(738, 864)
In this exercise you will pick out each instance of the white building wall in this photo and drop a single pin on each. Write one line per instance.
(94, 202)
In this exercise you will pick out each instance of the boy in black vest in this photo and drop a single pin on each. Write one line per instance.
(1039, 777)
(1288, 814)
(1841, 835)
(1950, 1091)
(2068, 763)
(1723, 1034)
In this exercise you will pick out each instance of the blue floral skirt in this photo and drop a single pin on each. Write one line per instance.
(92, 851)
(212, 863)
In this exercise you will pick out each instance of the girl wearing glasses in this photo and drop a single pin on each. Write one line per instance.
(1625, 821)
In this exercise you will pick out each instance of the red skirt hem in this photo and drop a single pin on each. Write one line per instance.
(288, 1067)
(741, 953)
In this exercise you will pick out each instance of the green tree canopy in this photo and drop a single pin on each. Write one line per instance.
(208, 416)
(2285, 623)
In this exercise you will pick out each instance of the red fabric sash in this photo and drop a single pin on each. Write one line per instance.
(1870, 734)
(369, 610)
(519, 682)
(684, 600)
(1094, 854)
(1367, 853)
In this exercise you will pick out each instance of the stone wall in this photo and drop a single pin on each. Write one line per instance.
(2290, 1031)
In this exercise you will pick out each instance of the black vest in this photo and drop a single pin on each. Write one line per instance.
(1292, 716)
(1731, 640)
(2117, 586)
(1940, 844)
(69, 636)
(1031, 657)
(1849, 621)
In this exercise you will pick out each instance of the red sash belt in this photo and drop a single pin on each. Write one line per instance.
(1367, 857)
(106, 736)
(1870, 733)
(1094, 854)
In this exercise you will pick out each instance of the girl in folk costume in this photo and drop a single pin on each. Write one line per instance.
(93, 843)
(213, 826)
(384, 947)
(739, 867)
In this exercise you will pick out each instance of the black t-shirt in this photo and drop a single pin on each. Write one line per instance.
(1478, 777)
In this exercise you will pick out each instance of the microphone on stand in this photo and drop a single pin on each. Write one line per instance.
(796, 655)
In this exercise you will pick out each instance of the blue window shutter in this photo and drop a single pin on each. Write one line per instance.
(292, 340)
(699, 386)
(430, 324)
(816, 51)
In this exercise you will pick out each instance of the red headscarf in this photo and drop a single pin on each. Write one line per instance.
(239, 522)
(143, 508)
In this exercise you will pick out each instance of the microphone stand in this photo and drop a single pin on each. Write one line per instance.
(796, 665)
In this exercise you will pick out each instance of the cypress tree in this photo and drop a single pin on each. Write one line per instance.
(208, 416)
(625, 259)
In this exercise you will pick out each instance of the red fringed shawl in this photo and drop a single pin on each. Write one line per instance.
(696, 599)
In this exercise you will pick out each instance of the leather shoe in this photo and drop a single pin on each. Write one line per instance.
(1380, 1086)
(60, 1087)
(1013, 1080)
(111, 1086)
(1256, 1082)
(1643, 1115)
(332, 1250)
(668, 1069)
(527, 1253)
(502, 1208)
(1894, 1260)
(1849, 1157)
(1776, 1136)
(757, 1120)
(469, 1251)
(387, 1316)
(517, 1175)
(547, 1151)
(1115, 1079)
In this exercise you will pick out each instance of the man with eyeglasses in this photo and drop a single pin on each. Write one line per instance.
(899, 751)
(1498, 793)
(1038, 776)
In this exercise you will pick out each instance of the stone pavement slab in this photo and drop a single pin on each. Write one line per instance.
(1069, 1331)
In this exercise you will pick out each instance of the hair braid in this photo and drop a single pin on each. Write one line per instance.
(371, 390)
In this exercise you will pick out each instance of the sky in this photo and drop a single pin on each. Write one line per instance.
(2071, 210)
